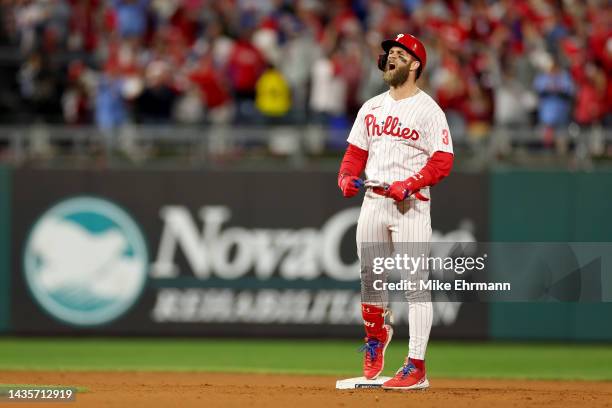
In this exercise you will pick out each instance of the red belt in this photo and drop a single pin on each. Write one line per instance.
(380, 191)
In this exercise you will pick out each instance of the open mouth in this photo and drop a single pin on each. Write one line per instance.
(391, 66)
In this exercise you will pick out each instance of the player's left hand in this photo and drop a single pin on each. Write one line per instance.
(401, 190)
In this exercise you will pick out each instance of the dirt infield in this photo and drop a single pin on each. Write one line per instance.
(146, 389)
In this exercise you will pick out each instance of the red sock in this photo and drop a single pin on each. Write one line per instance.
(420, 364)
(374, 321)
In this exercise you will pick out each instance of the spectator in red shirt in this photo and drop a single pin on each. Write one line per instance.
(213, 90)
(244, 67)
(590, 96)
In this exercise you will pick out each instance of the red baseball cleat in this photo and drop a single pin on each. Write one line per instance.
(407, 377)
(374, 357)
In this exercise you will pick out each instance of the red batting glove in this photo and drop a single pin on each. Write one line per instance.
(401, 190)
(349, 185)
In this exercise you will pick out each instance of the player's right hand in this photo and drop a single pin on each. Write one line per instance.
(349, 185)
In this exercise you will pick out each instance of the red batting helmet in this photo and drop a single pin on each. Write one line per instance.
(408, 42)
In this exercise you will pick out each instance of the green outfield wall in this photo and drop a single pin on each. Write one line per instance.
(5, 196)
(551, 207)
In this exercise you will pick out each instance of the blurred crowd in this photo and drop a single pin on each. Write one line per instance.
(506, 63)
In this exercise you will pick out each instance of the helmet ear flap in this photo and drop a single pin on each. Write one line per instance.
(382, 61)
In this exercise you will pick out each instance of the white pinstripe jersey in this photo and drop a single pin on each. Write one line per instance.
(400, 136)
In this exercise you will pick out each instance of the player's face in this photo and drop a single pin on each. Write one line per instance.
(398, 67)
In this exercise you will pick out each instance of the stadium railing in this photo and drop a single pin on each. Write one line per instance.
(286, 146)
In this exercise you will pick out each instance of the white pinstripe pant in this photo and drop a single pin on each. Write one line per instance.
(382, 228)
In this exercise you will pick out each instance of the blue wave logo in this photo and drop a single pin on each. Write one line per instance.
(85, 261)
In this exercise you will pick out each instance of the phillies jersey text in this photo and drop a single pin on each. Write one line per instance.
(400, 136)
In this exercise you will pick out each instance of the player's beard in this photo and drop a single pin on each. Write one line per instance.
(396, 77)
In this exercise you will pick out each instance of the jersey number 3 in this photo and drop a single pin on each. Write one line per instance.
(445, 136)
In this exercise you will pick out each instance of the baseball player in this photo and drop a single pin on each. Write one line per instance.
(402, 141)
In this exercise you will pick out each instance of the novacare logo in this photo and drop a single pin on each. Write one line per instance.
(232, 252)
(85, 261)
